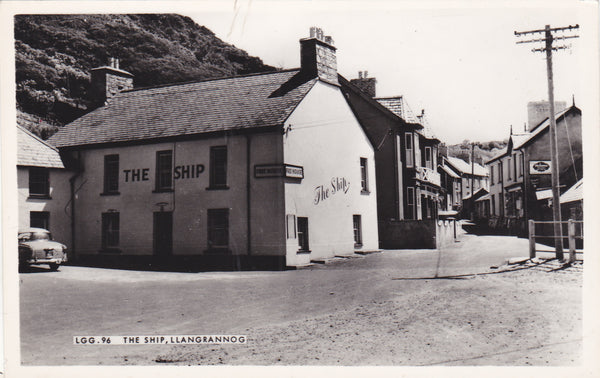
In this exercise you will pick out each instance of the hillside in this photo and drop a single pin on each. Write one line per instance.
(483, 151)
(54, 54)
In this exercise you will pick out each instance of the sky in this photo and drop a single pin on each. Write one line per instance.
(458, 61)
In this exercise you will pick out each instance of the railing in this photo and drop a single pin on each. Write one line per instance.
(427, 175)
(572, 236)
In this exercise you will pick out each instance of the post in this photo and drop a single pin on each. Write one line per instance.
(558, 241)
(531, 239)
(571, 230)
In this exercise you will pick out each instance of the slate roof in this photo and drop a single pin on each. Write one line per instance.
(575, 193)
(449, 171)
(234, 103)
(34, 152)
(465, 168)
(398, 105)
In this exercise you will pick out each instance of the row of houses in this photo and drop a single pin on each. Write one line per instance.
(272, 169)
(520, 175)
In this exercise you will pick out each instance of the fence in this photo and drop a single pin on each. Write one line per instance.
(574, 233)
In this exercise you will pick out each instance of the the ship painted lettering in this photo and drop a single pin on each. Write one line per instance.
(336, 185)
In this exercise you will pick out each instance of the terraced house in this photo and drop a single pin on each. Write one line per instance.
(270, 169)
(520, 179)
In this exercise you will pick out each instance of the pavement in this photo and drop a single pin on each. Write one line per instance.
(461, 305)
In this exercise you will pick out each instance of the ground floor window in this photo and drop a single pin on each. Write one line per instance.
(303, 233)
(218, 229)
(40, 219)
(410, 203)
(357, 227)
(110, 230)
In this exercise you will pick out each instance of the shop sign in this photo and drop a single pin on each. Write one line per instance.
(336, 185)
(179, 172)
(540, 167)
(278, 170)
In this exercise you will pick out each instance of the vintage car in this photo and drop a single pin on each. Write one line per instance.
(37, 247)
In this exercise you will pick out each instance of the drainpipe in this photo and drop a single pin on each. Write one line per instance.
(248, 202)
(72, 179)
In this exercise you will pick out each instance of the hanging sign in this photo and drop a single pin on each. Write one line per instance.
(540, 167)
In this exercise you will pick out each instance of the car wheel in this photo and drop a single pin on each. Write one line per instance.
(54, 266)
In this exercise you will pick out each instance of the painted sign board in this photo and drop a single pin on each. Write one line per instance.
(540, 167)
(278, 170)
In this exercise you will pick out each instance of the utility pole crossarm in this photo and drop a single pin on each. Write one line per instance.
(570, 27)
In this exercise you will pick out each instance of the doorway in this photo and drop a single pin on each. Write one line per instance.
(163, 233)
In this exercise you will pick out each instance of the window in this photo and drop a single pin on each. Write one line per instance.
(493, 204)
(218, 229)
(357, 227)
(39, 182)
(500, 172)
(520, 165)
(492, 173)
(410, 203)
(164, 170)
(218, 167)
(110, 230)
(408, 144)
(364, 182)
(515, 165)
(303, 234)
(508, 168)
(111, 173)
(428, 159)
(40, 219)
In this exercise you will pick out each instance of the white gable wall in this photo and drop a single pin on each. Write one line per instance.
(325, 139)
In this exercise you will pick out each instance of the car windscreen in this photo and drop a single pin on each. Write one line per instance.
(40, 236)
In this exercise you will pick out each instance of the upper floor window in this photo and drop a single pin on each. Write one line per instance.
(164, 170)
(492, 174)
(111, 173)
(364, 180)
(428, 158)
(508, 169)
(408, 146)
(500, 172)
(218, 167)
(39, 182)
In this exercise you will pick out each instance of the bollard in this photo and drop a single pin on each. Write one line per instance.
(531, 239)
(571, 231)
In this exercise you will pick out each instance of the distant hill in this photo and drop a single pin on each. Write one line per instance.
(54, 55)
(483, 151)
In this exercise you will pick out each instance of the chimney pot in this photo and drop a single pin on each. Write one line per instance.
(116, 63)
(317, 56)
(360, 75)
(366, 74)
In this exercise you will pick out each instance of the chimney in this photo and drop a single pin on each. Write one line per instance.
(107, 81)
(317, 56)
(537, 111)
(365, 83)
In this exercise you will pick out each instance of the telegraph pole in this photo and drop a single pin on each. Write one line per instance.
(548, 38)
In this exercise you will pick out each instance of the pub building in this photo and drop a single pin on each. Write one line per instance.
(268, 169)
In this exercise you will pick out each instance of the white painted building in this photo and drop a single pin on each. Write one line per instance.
(269, 168)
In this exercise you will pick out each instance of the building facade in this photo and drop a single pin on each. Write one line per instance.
(408, 184)
(243, 171)
(520, 186)
(43, 187)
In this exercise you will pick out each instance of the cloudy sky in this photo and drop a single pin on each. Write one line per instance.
(457, 60)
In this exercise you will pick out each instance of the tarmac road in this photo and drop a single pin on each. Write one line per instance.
(392, 308)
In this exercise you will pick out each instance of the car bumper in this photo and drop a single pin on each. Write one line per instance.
(53, 260)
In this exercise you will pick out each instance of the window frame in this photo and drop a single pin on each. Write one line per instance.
(364, 175)
(214, 227)
(303, 234)
(39, 176)
(218, 167)
(44, 216)
(357, 230)
(111, 231)
(409, 150)
(410, 203)
(163, 171)
(428, 162)
(111, 174)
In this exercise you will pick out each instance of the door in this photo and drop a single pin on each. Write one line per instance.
(163, 233)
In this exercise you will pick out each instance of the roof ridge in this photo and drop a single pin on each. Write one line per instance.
(207, 80)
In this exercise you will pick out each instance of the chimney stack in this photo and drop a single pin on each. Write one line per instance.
(109, 80)
(317, 56)
(365, 84)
